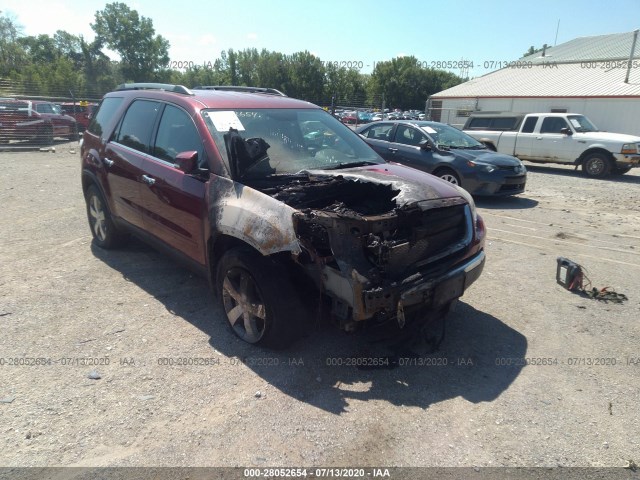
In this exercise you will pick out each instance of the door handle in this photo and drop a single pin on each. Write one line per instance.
(148, 180)
(107, 162)
(538, 138)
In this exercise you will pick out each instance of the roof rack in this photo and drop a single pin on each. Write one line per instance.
(155, 86)
(265, 91)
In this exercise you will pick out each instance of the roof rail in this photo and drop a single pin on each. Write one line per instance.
(266, 91)
(155, 86)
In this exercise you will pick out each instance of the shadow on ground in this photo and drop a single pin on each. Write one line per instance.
(566, 172)
(330, 368)
(506, 203)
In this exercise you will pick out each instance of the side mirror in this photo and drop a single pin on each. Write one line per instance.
(566, 131)
(187, 161)
(424, 145)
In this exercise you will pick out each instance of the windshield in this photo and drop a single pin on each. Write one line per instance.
(296, 140)
(450, 137)
(580, 123)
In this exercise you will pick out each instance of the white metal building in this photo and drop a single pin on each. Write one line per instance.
(595, 76)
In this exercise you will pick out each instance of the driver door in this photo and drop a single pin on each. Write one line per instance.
(408, 152)
(174, 204)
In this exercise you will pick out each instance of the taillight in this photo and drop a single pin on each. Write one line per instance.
(481, 230)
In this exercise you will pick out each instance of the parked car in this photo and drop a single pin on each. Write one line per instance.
(557, 138)
(62, 125)
(448, 153)
(81, 112)
(350, 118)
(275, 201)
(37, 121)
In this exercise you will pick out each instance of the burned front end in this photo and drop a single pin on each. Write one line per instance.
(382, 248)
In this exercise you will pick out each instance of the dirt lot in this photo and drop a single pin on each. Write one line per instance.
(529, 374)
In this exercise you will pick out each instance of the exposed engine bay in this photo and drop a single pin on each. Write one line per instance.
(362, 246)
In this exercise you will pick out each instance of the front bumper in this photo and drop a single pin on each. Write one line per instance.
(420, 290)
(497, 183)
(355, 300)
(627, 160)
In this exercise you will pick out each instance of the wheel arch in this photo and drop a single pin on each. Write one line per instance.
(592, 150)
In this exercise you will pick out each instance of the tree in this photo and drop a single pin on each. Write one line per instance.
(12, 54)
(531, 51)
(143, 53)
(406, 84)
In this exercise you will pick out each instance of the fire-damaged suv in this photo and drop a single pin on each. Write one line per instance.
(279, 205)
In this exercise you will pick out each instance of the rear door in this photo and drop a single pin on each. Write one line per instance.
(174, 203)
(526, 139)
(124, 157)
(379, 137)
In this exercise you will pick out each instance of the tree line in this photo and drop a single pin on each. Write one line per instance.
(65, 65)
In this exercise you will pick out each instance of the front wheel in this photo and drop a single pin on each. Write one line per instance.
(596, 165)
(45, 137)
(259, 301)
(448, 175)
(105, 234)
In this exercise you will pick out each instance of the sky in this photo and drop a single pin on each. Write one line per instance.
(485, 32)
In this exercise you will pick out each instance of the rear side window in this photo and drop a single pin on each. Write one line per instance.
(479, 123)
(137, 125)
(529, 124)
(503, 123)
(104, 113)
(176, 133)
(379, 132)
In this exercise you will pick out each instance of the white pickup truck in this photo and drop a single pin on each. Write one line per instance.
(556, 138)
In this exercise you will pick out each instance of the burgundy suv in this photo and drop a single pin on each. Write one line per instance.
(273, 199)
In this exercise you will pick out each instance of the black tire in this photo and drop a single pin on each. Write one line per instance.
(265, 305)
(596, 165)
(448, 175)
(105, 233)
(45, 137)
(620, 170)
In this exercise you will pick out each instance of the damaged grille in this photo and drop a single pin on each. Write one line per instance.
(428, 236)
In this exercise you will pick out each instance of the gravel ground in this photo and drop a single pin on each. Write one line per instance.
(484, 399)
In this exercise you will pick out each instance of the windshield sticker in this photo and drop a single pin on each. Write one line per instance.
(429, 129)
(575, 122)
(223, 121)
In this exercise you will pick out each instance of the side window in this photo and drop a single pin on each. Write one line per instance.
(529, 124)
(380, 132)
(105, 111)
(137, 125)
(553, 125)
(44, 108)
(479, 123)
(409, 136)
(503, 123)
(176, 133)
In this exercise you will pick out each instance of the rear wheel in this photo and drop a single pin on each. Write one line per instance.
(596, 165)
(259, 301)
(448, 175)
(105, 233)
